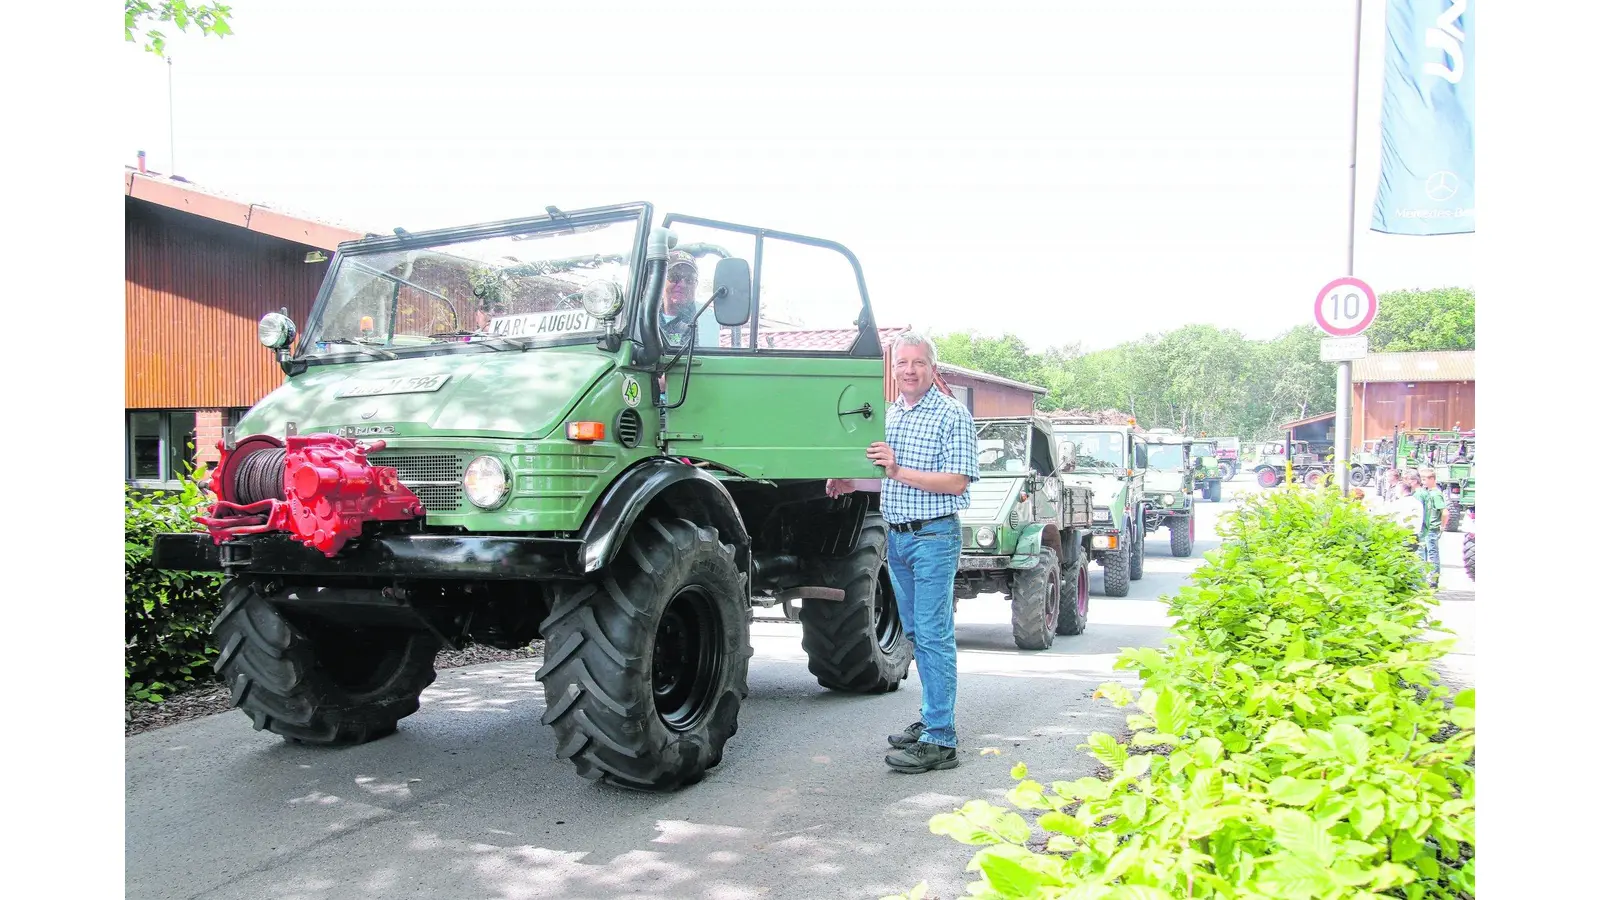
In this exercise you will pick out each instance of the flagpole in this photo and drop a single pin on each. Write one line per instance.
(1341, 418)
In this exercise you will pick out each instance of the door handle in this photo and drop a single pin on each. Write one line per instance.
(865, 411)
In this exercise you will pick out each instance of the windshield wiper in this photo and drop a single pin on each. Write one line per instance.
(361, 346)
(481, 339)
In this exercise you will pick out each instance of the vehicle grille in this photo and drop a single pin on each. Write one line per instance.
(628, 428)
(434, 477)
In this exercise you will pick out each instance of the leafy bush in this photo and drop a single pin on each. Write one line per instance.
(168, 614)
(1290, 741)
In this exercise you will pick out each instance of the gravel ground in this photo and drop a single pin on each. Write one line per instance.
(213, 698)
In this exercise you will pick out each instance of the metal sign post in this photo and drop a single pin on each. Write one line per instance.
(1345, 308)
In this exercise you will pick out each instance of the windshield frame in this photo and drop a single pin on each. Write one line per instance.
(1001, 430)
(1152, 447)
(353, 252)
(1075, 436)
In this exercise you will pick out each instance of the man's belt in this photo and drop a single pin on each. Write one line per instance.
(918, 524)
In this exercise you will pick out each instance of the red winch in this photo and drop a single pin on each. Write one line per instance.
(318, 487)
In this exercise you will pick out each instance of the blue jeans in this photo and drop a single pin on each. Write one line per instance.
(922, 567)
(1428, 549)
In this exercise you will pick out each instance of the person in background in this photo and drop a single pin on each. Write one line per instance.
(1435, 516)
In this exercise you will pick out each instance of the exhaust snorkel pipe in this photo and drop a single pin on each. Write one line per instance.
(659, 242)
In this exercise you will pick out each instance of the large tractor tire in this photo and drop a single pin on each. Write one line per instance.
(858, 644)
(1454, 507)
(1116, 565)
(1228, 470)
(1182, 536)
(1074, 599)
(317, 683)
(1359, 476)
(1267, 477)
(646, 668)
(1136, 558)
(1313, 477)
(1469, 555)
(1214, 492)
(1035, 597)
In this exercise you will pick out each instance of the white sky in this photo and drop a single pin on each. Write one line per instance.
(1069, 171)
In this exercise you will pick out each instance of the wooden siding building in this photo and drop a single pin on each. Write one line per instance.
(1412, 390)
(201, 270)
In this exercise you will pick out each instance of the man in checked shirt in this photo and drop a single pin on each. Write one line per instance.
(930, 458)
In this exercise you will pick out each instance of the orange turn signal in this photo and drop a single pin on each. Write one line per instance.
(586, 431)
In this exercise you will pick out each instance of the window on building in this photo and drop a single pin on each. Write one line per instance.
(160, 445)
(963, 395)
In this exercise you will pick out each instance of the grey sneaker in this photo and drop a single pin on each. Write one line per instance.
(911, 735)
(921, 757)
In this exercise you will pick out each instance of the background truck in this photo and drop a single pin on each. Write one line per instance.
(1110, 462)
(1025, 533)
(505, 432)
(1169, 488)
(1209, 472)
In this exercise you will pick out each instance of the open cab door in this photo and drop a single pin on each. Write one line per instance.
(792, 388)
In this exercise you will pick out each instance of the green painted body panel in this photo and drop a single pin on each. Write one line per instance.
(779, 417)
(507, 394)
(1026, 553)
(508, 404)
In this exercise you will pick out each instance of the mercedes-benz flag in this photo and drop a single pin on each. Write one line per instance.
(1425, 185)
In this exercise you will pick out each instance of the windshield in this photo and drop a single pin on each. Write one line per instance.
(495, 292)
(1003, 448)
(1199, 450)
(1097, 449)
(1166, 457)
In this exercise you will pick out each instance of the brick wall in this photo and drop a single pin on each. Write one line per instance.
(207, 433)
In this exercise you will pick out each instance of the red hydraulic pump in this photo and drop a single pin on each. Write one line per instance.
(319, 488)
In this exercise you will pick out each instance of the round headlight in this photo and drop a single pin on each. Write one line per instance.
(275, 331)
(486, 483)
(1166, 499)
(602, 299)
(985, 536)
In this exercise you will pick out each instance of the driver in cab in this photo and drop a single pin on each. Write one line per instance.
(678, 304)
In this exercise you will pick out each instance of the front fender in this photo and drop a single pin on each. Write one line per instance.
(619, 509)
(1026, 556)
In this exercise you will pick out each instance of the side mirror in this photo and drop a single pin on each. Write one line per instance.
(1141, 457)
(275, 331)
(1068, 451)
(731, 287)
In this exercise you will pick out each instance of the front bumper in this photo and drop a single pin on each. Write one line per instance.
(412, 556)
(984, 562)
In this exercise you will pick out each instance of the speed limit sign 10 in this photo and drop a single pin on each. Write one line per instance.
(1346, 307)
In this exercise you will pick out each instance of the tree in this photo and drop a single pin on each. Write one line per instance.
(209, 18)
(1438, 319)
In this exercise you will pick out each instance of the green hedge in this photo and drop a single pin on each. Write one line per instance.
(1291, 740)
(168, 614)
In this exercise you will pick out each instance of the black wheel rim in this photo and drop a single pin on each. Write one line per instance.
(1052, 601)
(687, 659)
(885, 615)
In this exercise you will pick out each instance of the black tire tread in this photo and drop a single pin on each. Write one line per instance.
(1182, 544)
(1069, 622)
(596, 674)
(1116, 566)
(270, 667)
(1469, 555)
(1031, 628)
(839, 636)
(1136, 559)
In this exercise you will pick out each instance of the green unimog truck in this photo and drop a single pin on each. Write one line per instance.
(1025, 533)
(1169, 488)
(1110, 462)
(521, 431)
(1209, 472)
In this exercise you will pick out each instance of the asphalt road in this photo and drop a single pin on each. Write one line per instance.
(468, 800)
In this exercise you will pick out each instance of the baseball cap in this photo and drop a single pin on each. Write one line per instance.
(678, 258)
